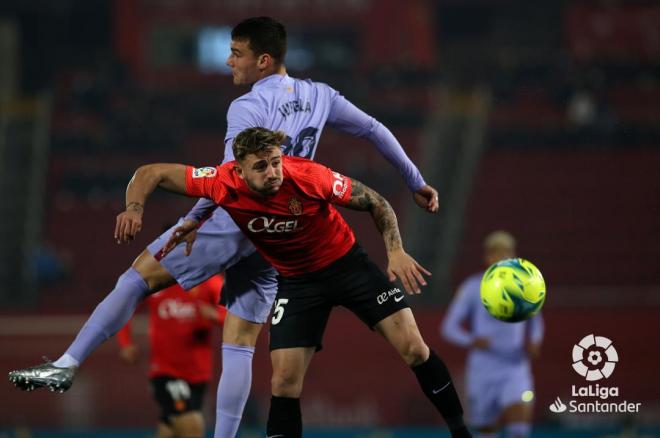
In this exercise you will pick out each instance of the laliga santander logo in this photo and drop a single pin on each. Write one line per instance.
(594, 357)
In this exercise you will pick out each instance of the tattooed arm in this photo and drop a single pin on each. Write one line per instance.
(365, 199)
(400, 264)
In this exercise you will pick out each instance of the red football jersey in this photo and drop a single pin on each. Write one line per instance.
(179, 336)
(297, 230)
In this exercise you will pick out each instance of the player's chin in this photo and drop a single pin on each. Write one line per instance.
(272, 189)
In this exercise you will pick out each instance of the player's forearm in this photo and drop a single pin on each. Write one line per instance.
(147, 178)
(352, 120)
(392, 151)
(385, 220)
(365, 199)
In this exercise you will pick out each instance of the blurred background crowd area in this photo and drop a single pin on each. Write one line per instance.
(541, 118)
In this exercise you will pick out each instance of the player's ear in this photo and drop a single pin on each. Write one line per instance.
(239, 171)
(264, 61)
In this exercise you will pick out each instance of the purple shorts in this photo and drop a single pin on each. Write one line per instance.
(490, 392)
(250, 282)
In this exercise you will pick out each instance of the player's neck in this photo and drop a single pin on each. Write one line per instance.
(275, 70)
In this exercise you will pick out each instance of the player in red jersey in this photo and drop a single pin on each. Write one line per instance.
(180, 325)
(284, 205)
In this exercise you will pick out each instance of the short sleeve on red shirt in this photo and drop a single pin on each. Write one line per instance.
(321, 182)
(205, 182)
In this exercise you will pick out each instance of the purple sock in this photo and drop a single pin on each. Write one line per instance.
(233, 389)
(110, 315)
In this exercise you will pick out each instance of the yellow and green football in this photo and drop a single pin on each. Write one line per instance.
(513, 290)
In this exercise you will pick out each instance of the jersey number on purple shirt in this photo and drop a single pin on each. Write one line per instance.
(304, 145)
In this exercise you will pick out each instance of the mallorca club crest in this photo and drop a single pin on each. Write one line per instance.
(295, 207)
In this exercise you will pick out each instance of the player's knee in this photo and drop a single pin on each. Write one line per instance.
(286, 384)
(416, 352)
(152, 272)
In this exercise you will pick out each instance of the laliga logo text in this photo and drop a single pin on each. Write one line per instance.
(594, 358)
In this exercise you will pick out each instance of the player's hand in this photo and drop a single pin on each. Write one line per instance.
(186, 232)
(480, 343)
(406, 269)
(427, 198)
(129, 223)
(129, 354)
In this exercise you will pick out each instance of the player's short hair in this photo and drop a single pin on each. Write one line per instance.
(499, 240)
(253, 140)
(264, 34)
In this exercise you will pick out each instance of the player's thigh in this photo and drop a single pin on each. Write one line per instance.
(249, 289)
(512, 397)
(289, 369)
(239, 331)
(300, 314)
(189, 425)
(401, 331)
(482, 401)
(219, 244)
(360, 286)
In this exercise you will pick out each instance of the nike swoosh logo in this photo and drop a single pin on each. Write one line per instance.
(435, 391)
(273, 436)
(399, 298)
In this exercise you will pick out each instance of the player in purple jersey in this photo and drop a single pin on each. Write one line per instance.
(301, 109)
(498, 377)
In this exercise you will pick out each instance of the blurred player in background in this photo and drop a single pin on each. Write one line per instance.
(285, 206)
(180, 364)
(299, 108)
(498, 375)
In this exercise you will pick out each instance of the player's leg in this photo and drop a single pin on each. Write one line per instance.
(289, 368)
(482, 392)
(368, 293)
(401, 331)
(164, 430)
(176, 398)
(187, 421)
(145, 276)
(517, 420)
(249, 290)
(299, 319)
(188, 425)
(516, 414)
(238, 340)
(218, 243)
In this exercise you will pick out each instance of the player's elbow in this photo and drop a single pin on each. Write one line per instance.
(146, 172)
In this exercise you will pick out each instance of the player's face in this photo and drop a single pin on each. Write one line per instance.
(263, 171)
(245, 65)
